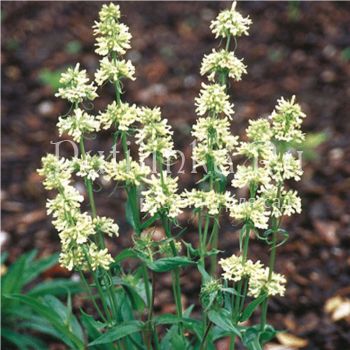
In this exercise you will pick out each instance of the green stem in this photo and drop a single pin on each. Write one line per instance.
(150, 312)
(117, 87)
(214, 245)
(271, 268)
(238, 301)
(228, 41)
(98, 286)
(232, 342)
(176, 272)
(101, 244)
(125, 146)
(90, 192)
(203, 345)
(87, 287)
(203, 247)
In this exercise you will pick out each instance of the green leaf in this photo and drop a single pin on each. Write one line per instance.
(250, 339)
(168, 264)
(173, 319)
(166, 341)
(205, 275)
(22, 341)
(230, 290)
(149, 222)
(66, 314)
(93, 329)
(129, 213)
(248, 311)
(119, 332)
(12, 281)
(136, 295)
(58, 286)
(222, 318)
(191, 252)
(167, 319)
(24, 270)
(39, 324)
(178, 342)
(188, 311)
(218, 333)
(34, 269)
(45, 311)
(267, 334)
(135, 291)
(125, 254)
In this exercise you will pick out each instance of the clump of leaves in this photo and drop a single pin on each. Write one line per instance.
(28, 306)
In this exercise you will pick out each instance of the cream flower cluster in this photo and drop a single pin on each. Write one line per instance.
(213, 100)
(114, 70)
(86, 258)
(253, 210)
(122, 116)
(155, 135)
(270, 164)
(235, 269)
(230, 22)
(75, 86)
(256, 150)
(208, 200)
(247, 175)
(222, 62)
(126, 171)
(202, 155)
(70, 199)
(77, 124)
(215, 131)
(106, 225)
(56, 171)
(284, 167)
(259, 282)
(161, 196)
(76, 229)
(286, 121)
(259, 130)
(214, 143)
(88, 166)
(259, 146)
(111, 35)
(286, 202)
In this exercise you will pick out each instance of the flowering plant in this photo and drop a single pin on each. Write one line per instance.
(123, 300)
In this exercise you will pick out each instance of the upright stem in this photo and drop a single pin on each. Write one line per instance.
(275, 227)
(106, 277)
(204, 238)
(238, 301)
(214, 245)
(175, 273)
(271, 268)
(88, 290)
(215, 231)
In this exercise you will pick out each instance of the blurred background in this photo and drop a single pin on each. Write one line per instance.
(300, 48)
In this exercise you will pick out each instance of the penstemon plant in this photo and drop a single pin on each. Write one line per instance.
(123, 300)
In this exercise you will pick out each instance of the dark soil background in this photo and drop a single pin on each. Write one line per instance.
(294, 48)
